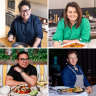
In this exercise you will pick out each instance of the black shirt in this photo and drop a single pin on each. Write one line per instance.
(30, 70)
(27, 32)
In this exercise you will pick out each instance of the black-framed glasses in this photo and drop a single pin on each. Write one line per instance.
(24, 59)
(23, 11)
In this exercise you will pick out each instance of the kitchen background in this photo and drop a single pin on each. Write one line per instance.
(56, 12)
(2, 18)
(9, 11)
(57, 62)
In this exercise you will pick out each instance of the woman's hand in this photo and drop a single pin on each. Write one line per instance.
(69, 41)
(66, 41)
(89, 89)
(57, 44)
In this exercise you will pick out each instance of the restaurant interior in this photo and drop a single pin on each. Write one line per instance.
(57, 62)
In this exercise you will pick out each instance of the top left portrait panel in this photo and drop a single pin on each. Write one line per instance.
(24, 23)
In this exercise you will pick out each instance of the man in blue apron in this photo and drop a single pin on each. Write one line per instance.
(73, 76)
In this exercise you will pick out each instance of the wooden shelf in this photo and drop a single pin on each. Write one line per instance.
(12, 62)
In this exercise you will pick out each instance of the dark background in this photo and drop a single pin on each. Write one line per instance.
(86, 59)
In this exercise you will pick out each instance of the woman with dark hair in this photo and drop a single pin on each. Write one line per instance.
(72, 27)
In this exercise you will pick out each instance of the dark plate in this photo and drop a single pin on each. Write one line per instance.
(19, 43)
(60, 91)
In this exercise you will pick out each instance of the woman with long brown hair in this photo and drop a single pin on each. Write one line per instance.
(72, 27)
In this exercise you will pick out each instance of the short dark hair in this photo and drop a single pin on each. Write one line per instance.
(72, 52)
(24, 2)
(22, 52)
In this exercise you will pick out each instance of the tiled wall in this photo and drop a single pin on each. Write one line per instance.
(60, 12)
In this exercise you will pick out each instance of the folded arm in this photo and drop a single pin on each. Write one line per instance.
(10, 82)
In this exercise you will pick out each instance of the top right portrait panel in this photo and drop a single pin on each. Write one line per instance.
(72, 24)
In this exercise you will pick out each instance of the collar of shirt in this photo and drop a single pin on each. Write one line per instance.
(29, 20)
(73, 25)
(74, 67)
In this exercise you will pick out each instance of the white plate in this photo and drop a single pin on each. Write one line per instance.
(16, 94)
(59, 87)
(74, 47)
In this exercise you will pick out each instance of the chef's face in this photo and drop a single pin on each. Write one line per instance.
(25, 12)
(23, 60)
(72, 59)
(72, 14)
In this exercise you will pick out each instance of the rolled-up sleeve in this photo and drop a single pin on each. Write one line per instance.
(85, 31)
(38, 28)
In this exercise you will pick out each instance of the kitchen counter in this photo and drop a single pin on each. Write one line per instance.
(91, 44)
(4, 41)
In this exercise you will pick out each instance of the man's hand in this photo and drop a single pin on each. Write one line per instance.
(17, 69)
(11, 38)
(89, 89)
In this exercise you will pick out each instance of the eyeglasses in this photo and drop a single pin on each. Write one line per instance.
(24, 59)
(23, 11)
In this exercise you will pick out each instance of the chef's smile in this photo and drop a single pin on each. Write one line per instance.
(72, 14)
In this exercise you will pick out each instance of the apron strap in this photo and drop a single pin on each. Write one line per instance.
(81, 72)
(72, 69)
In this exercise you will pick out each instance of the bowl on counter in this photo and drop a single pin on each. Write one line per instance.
(19, 45)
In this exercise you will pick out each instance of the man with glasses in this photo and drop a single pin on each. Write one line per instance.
(22, 73)
(27, 28)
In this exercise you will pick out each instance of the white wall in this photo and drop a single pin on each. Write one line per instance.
(2, 18)
(61, 4)
(39, 10)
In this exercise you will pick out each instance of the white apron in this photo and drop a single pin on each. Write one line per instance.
(79, 79)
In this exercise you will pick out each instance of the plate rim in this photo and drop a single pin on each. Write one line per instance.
(75, 42)
(19, 43)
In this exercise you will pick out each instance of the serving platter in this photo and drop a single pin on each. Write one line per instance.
(17, 94)
(74, 45)
(71, 90)
(59, 87)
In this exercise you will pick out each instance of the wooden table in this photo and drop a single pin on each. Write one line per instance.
(5, 42)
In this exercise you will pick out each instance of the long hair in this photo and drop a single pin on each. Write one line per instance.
(78, 10)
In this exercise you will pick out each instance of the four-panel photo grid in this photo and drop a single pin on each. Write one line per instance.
(48, 48)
